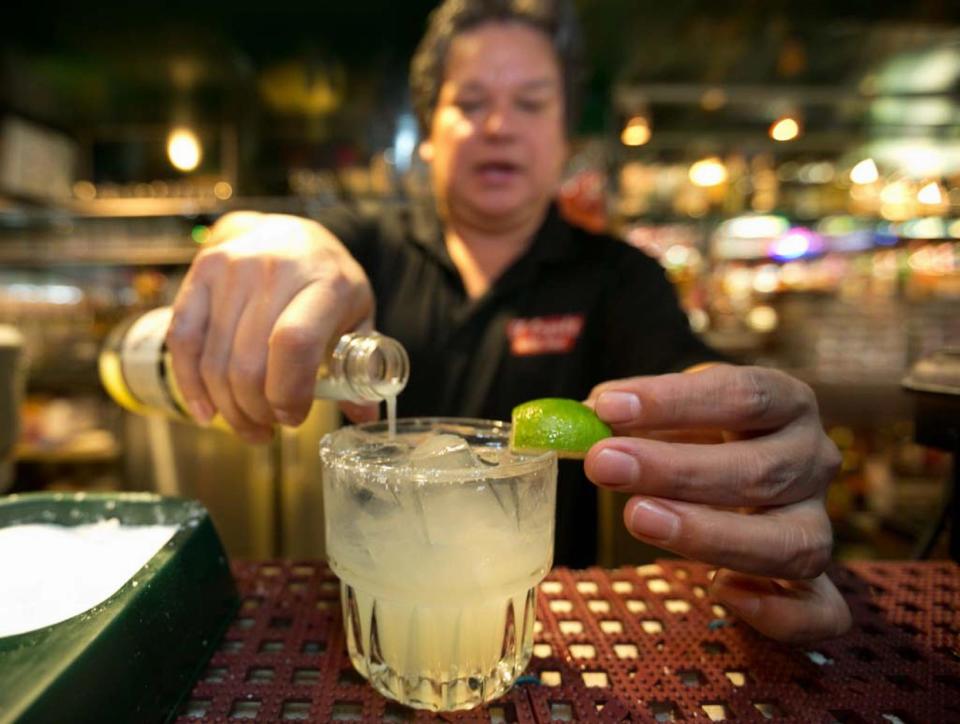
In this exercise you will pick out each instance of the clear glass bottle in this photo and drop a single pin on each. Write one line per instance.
(137, 371)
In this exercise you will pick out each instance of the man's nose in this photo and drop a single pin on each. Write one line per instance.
(499, 121)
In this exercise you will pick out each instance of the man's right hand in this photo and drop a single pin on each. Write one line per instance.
(255, 316)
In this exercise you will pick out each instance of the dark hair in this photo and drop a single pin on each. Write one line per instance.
(555, 18)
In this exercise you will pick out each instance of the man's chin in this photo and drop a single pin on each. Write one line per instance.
(495, 206)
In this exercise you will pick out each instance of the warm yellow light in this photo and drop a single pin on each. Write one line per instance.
(767, 279)
(898, 201)
(784, 129)
(713, 99)
(897, 192)
(84, 190)
(921, 160)
(183, 149)
(708, 172)
(222, 190)
(636, 132)
(762, 318)
(930, 194)
(865, 172)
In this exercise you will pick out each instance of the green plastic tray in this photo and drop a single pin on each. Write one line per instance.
(134, 657)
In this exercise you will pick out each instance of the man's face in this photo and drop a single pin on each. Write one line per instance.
(497, 142)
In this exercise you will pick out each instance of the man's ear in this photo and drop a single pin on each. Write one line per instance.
(425, 150)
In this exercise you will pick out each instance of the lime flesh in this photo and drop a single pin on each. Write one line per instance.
(554, 423)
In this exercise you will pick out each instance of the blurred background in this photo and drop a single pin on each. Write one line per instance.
(794, 165)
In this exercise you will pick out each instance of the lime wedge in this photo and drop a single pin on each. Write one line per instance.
(556, 423)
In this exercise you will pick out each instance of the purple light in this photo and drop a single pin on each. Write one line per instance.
(796, 243)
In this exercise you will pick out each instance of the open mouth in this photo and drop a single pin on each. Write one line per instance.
(497, 171)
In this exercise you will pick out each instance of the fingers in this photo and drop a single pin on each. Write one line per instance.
(255, 315)
(228, 303)
(232, 225)
(789, 611)
(248, 358)
(791, 542)
(296, 347)
(185, 342)
(721, 396)
(771, 470)
(772, 455)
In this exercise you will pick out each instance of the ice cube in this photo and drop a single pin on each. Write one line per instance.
(489, 457)
(376, 452)
(443, 452)
(438, 509)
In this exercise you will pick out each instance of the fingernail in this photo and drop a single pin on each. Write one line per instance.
(654, 521)
(612, 467)
(200, 411)
(742, 603)
(287, 418)
(618, 407)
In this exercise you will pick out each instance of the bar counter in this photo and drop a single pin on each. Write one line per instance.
(629, 644)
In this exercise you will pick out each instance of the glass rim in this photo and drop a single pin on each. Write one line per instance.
(528, 463)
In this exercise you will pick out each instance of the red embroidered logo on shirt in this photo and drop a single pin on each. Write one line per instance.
(556, 334)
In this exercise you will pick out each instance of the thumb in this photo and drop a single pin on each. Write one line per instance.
(790, 611)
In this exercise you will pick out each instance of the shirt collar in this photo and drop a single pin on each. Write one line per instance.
(426, 230)
(553, 241)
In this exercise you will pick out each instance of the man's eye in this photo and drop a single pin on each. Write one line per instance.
(469, 105)
(531, 105)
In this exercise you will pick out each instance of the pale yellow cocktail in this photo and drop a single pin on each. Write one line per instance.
(440, 537)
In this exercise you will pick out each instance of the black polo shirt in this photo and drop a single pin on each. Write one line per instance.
(575, 310)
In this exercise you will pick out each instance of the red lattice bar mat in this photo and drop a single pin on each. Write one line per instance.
(632, 644)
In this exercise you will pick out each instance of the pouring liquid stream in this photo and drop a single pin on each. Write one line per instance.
(391, 401)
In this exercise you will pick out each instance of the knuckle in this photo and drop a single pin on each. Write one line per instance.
(363, 295)
(830, 461)
(293, 339)
(770, 477)
(751, 396)
(809, 552)
(210, 262)
(246, 267)
(247, 372)
(268, 263)
(803, 400)
(807, 397)
(181, 338)
(683, 478)
(340, 285)
(271, 268)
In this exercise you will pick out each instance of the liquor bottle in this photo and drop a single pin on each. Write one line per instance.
(137, 371)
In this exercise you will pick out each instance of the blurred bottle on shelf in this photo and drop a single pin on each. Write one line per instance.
(11, 391)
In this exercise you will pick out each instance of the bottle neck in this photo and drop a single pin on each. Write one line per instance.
(367, 367)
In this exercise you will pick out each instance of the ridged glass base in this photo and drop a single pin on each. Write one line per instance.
(439, 657)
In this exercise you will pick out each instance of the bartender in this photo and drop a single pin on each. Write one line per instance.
(498, 300)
